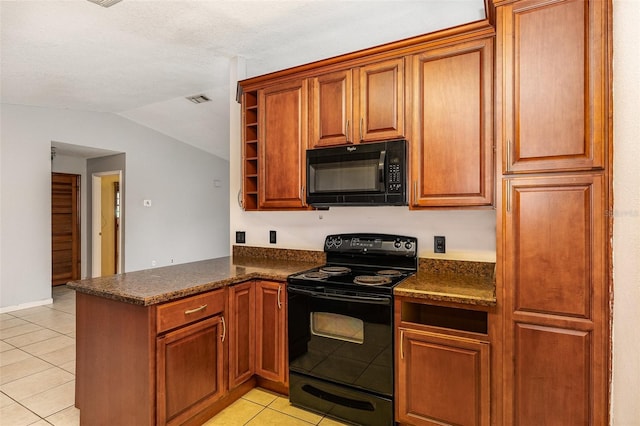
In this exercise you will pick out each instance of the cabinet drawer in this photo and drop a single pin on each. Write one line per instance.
(185, 311)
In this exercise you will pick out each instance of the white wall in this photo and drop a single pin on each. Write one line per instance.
(626, 233)
(188, 221)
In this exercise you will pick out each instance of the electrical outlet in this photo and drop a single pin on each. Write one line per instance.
(240, 238)
(439, 244)
(272, 237)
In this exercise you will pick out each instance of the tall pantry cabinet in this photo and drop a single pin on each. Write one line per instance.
(553, 115)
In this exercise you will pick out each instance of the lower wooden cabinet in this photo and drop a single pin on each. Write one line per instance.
(178, 362)
(190, 370)
(242, 336)
(442, 374)
(271, 331)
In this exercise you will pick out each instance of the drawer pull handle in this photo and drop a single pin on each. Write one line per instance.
(193, 311)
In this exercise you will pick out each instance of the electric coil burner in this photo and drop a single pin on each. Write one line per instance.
(340, 327)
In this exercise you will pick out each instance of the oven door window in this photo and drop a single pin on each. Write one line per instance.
(336, 326)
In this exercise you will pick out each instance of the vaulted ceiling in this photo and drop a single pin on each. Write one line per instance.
(141, 58)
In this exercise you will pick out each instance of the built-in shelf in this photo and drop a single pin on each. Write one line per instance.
(250, 150)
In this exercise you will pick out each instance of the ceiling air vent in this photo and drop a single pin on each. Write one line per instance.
(198, 99)
(105, 3)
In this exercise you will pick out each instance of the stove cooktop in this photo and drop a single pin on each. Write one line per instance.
(357, 278)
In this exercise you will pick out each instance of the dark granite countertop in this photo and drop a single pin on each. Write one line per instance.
(158, 285)
(469, 283)
(462, 282)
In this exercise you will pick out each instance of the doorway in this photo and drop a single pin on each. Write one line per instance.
(106, 223)
(65, 228)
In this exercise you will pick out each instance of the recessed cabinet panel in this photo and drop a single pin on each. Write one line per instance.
(381, 100)
(271, 331)
(241, 333)
(452, 119)
(283, 131)
(443, 380)
(554, 235)
(555, 113)
(190, 370)
(553, 376)
(331, 109)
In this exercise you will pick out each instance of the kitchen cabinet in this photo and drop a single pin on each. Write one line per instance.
(452, 116)
(442, 365)
(282, 130)
(242, 319)
(271, 331)
(435, 90)
(552, 85)
(553, 133)
(556, 300)
(190, 369)
(359, 104)
(149, 365)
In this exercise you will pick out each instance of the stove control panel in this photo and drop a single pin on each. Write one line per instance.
(384, 244)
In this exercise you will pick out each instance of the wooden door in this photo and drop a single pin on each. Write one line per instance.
(452, 146)
(109, 224)
(271, 360)
(282, 143)
(555, 111)
(190, 372)
(331, 109)
(242, 308)
(556, 309)
(381, 101)
(65, 228)
(442, 380)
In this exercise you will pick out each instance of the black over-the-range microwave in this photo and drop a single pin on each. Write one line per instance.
(368, 174)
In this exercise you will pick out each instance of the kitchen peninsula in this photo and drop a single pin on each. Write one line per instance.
(177, 344)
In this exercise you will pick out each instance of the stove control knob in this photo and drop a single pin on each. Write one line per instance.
(408, 245)
(397, 244)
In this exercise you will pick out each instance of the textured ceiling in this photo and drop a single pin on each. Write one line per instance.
(140, 58)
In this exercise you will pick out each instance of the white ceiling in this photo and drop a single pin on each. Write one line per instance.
(141, 58)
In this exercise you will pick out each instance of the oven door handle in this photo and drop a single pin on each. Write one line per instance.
(341, 297)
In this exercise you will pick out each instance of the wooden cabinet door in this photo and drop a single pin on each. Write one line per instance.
(331, 109)
(271, 360)
(552, 84)
(452, 146)
(381, 101)
(281, 145)
(556, 309)
(65, 228)
(241, 318)
(443, 380)
(189, 370)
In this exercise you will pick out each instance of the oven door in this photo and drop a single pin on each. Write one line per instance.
(341, 353)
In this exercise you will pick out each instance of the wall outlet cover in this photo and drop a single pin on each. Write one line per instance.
(272, 237)
(439, 244)
(240, 237)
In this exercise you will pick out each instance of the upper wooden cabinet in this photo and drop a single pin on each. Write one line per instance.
(433, 90)
(358, 105)
(552, 81)
(452, 115)
(282, 111)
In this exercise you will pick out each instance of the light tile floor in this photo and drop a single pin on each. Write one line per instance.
(37, 375)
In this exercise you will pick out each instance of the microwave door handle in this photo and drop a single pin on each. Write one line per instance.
(383, 155)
